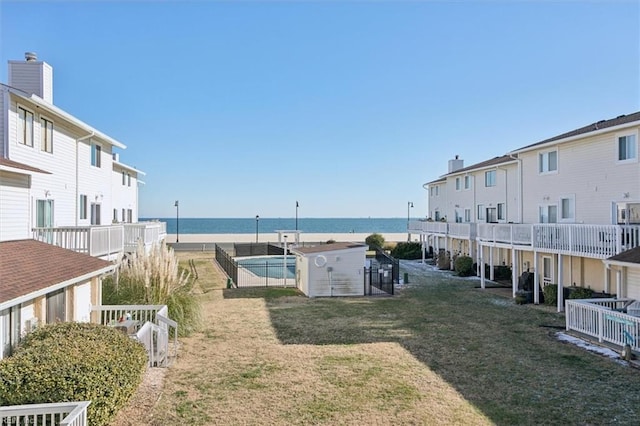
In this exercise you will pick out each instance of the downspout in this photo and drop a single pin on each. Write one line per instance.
(83, 138)
(519, 160)
(5, 129)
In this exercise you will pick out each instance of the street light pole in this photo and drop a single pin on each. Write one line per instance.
(177, 221)
(297, 205)
(409, 206)
(257, 219)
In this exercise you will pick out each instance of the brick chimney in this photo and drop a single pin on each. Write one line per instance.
(32, 76)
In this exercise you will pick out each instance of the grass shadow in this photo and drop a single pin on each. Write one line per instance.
(267, 293)
(501, 357)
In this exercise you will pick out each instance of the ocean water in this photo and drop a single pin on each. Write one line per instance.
(270, 225)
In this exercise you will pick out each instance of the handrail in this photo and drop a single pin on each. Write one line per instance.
(75, 413)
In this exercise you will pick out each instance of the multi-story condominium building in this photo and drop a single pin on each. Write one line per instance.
(557, 208)
(62, 183)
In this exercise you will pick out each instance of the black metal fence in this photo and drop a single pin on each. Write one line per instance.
(257, 249)
(378, 281)
(383, 258)
(227, 263)
(261, 272)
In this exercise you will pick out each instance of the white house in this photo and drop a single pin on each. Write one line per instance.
(331, 269)
(567, 203)
(70, 186)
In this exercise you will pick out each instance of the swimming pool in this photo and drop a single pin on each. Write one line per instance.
(269, 266)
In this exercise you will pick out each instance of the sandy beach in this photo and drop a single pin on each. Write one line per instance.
(273, 238)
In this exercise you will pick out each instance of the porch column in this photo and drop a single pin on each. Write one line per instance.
(607, 278)
(619, 283)
(536, 285)
(423, 245)
(514, 271)
(481, 265)
(491, 275)
(560, 285)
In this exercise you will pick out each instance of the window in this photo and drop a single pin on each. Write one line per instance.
(457, 184)
(46, 135)
(96, 151)
(25, 127)
(124, 178)
(124, 217)
(480, 212)
(458, 216)
(83, 206)
(502, 211)
(115, 215)
(567, 209)
(467, 215)
(129, 215)
(490, 178)
(627, 148)
(128, 179)
(9, 330)
(436, 216)
(548, 161)
(95, 214)
(549, 213)
(467, 182)
(492, 216)
(547, 270)
(44, 213)
(56, 307)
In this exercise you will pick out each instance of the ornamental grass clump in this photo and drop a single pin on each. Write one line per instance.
(155, 278)
(71, 361)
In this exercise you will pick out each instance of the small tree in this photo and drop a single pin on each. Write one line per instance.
(376, 240)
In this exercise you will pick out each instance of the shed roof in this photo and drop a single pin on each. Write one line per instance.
(20, 166)
(629, 256)
(328, 247)
(27, 266)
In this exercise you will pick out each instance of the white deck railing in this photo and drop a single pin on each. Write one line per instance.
(103, 241)
(154, 337)
(602, 319)
(62, 413)
(596, 241)
(464, 230)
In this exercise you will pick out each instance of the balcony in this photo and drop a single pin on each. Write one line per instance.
(464, 230)
(106, 241)
(63, 414)
(594, 241)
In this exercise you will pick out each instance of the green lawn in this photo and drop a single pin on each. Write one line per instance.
(501, 357)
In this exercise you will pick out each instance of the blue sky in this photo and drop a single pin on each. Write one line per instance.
(242, 108)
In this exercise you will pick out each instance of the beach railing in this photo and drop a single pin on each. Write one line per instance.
(62, 413)
(601, 318)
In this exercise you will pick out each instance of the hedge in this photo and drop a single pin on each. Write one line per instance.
(66, 362)
(409, 250)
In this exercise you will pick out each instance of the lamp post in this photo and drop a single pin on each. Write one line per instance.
(177, 221)
(409, 206)
(257, 219)
(284, 262)
(297, 205)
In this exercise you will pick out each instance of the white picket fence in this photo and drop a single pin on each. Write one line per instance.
(60, 413)
(606, 320)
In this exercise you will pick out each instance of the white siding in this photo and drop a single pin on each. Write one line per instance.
(633, 283)
(14, 206)
(82, 302)
(124, 196)
(589, 171)
(346, 277)
(3, 120)
(32, 77)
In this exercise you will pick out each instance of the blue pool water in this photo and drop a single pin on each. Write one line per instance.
(269, 266)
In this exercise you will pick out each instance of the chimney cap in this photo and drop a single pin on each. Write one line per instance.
(30, 56)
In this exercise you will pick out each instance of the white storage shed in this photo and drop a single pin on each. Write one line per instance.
(331, 269)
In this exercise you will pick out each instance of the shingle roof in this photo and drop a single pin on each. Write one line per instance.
(629, 256)
(10, 163)
(29, 265)
(602, 124)
(328, 247)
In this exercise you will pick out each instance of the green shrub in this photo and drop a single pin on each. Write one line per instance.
(502, 273)
(409, 250)
(463, 266)
(155, 278)
(74, 362)
(376, 240)
(580, 293)
(550, 292)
